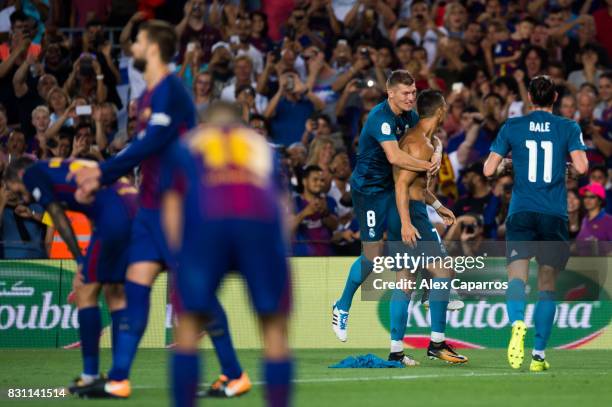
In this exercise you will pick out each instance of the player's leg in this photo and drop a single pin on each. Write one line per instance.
(438, 303)
(371, 212)
(398, 312)
(552, 257)
(233, 380)
(277, 364)
(115, 300)
(90, 327)
(185, 359)
(139, 280)
(544, 316)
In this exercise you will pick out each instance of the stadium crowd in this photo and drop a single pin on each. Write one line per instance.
(306, 73)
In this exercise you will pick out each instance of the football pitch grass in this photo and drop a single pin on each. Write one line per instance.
(577, 378)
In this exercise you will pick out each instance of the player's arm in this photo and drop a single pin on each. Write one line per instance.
(399, 158)
(160, 131)
(448, 217)
(580, 161)
(577, 149)
(491, 164)
(436, 157)
(63, 226)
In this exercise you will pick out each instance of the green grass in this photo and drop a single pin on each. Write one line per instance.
(577, 378)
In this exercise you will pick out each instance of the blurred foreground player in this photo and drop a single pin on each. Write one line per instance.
(540, 143)
(165, 112)
(222, 211)
(105, 263)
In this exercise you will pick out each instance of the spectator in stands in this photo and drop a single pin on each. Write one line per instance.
(603, 111)
(193, 26)
(597, 224)
(243, 76)
(590, 72)
(466, 236)
(315, 219)
(598, 174)
(241, 43)
(56, 61)
(534, 62)
(22, 233)
(320, 154)
(289, 109)
(478, 198)
(259, 123)
(574, 213)
(567, 107)
(4, 129)
(16, 147)
(321, 78)
(40, 121)
(297, 155)
(341, 56)
(259, 33)
(346, 236)
(192, 63)
(85, 10)
(203, 91)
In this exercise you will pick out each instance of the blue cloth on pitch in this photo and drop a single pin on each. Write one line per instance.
(368, 361)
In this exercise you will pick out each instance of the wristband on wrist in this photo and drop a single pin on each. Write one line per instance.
(436, 205)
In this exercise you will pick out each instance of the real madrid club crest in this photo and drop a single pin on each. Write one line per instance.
(371, 233)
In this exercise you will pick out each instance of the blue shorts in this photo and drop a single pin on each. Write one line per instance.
(372, 211)
(544, 236)
(430, 243)
(256, 249)
(106, 260)
(148, 242)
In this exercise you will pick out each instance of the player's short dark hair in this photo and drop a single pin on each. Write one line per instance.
(400, 76)
(542, 91)
(428, 102)
(310, 169)
(163, 34)
(14, 169)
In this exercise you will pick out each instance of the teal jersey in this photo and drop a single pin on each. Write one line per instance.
(540, 143)
(373, 172)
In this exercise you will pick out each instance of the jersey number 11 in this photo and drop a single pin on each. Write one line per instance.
(532, 146)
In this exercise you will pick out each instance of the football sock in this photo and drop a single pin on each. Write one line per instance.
(184, 377)
(131, 329)
(544, 316)
(516, 300)
(116, 320)
(360, 270)
(218, 330)
(278, 375)
(90, 326)
(438, 302)
(399, 314)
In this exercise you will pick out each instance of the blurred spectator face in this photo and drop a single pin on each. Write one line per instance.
(363, 53)
(599, 176)
(587, 31)
(16, 143)
(85, 132)
(591, 201)
(65, 147)
(57, 100)
(198, 8)
(314, 183)
(586, 105)
(589, 55)
(288, 54)
(605, 89)
(243, 69)
(540, 36)
(342, 53)
(340, 166)
(492, 107)
(297, 155)
(455, 17)
(533, 63)
(53, 54)
(501, 34)
(384, 57)
(131, 127)
(326, 153)
(554, 20)
(3, 121)
(244, 29)
(573, 202)
(133, 108)
(40, 121)
(221, 56)
(473, 33)
(471, 228)
(259, 126)
(45, 83)
(247, 96)
(419, 11)
(420, 54)
(568, 107)
(503, 187)
(323, 127)
(493, 8)
(298, 18)
(203, 84)
(259, 24)
(556, 74)
(404, 54)
(525, 29)
(93, 30)
(107, 115)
